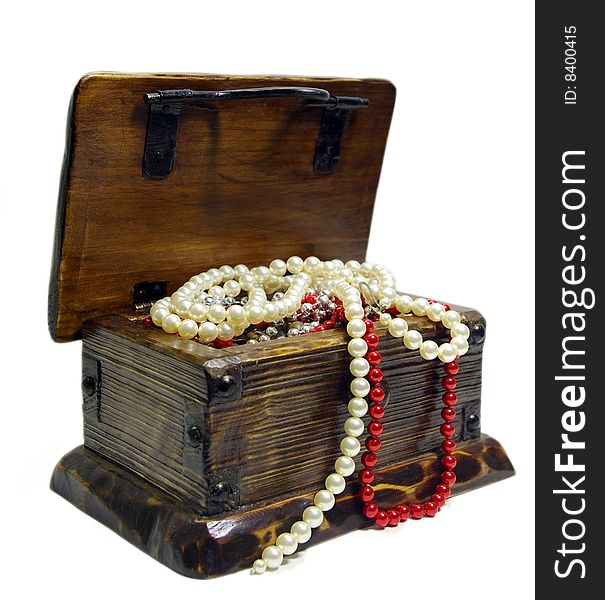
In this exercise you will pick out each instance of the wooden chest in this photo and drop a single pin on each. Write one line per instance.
(200, 455)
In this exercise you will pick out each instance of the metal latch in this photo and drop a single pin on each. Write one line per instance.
(145, 293)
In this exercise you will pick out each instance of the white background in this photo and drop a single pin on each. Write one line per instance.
(461, 143)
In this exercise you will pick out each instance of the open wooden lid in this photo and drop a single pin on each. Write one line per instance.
(157, 187)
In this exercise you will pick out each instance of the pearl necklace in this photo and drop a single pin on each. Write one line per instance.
(355, 285)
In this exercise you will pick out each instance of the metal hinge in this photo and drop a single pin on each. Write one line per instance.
(165, 108)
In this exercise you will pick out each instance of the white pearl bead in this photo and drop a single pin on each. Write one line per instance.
(273, 556)
(358, 407)
(261, 273)
(412, 339)
(329, 268)
(278, 267)
(357, 347)
(187, 289)
(254, 314)
(354, 311)
(350, 446)
(302, 531)
(460, 344)
(158, 315)
(216, 275)
(359, 367)
(198, 312)
(420, 306)
(335, 483)
(354, 426)
(398, 327)
(281, 308)
(232, 288)
(239, 270)
(217, 313)
(404, 303)
(272, 284)
(181, 308)
(435, 311)
(217, 292)
(259, 566)
(177, 297)
(345, 466)
(225, 331)
(226, 271)
(460, 330)
(247, 281)
(159, 305)
(294, 264)
(450, 318)
(313, 516)
(385, 318)
(205, 281)
(429, 350)
(447, 353)
(236, 313)
(356, 328)
(170, 323)
(324, 499)
(360, 387)
(208, 332)
(287, 543)
(351, 298)
(311, 263)
(271, 313)
(187, 329)
(352, 264)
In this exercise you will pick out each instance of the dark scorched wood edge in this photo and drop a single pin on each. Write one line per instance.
(202, 548)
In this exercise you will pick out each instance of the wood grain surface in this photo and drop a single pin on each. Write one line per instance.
(243, 188)
(270, 415)
(202, 548)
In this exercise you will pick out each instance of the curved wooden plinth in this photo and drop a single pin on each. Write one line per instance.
(201, 547)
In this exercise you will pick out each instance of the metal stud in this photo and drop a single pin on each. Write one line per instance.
(225, 382)
(89, 386)
(195, 435)
(478, 333)
(473, 423)
(220, 491)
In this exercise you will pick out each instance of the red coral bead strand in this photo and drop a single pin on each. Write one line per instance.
(402, 512)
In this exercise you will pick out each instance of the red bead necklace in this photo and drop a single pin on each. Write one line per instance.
(369, 459)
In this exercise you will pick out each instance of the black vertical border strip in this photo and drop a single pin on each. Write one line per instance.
(560, 128)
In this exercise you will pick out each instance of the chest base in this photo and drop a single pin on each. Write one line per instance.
(202, 547)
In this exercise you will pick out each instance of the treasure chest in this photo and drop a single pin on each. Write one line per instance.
(201, 454)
